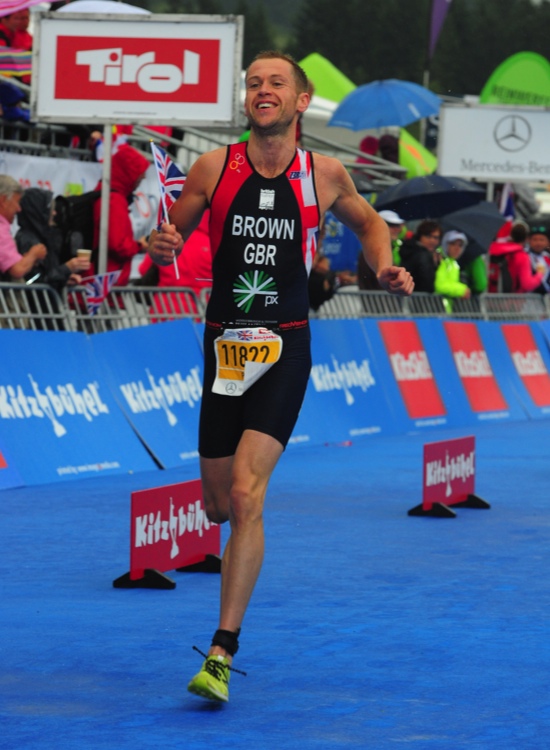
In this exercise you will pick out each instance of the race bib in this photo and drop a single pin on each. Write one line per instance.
(243, 355)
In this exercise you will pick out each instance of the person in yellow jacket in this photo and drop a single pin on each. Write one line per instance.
(447, 275)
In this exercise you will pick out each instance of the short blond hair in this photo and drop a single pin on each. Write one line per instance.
(300, 77)
(9, 186)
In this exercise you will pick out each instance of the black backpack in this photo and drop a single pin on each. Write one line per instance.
(74, 216)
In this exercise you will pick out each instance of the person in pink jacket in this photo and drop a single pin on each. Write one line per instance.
(522, 277)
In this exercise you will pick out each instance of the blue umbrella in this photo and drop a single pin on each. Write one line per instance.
(384, 103)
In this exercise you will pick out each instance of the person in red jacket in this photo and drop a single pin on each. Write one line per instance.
(128, 168)
(194, 270)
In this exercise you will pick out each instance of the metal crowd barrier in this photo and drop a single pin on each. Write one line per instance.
(132, 306)
(39, 307)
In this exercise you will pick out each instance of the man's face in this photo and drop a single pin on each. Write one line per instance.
(395, 230)
(455, 248)
(9, 207)
(431, 241)
(20, 19)
(272, 101)
(538, 243)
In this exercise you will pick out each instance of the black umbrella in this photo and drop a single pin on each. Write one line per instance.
(429, 197)
(480, 223)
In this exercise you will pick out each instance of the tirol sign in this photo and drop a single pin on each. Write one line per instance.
(138, 68)
(178, 70)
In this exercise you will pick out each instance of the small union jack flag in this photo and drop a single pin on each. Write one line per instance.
(171, 180)
(245, 335)
(96, 289)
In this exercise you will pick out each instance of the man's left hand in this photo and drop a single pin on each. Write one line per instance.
(396, 280)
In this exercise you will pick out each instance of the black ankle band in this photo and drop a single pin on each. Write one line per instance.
(227, 640)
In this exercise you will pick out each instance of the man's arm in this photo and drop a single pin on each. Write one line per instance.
(27, 261)
(338, 193)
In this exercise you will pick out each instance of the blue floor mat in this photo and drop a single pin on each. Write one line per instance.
(367, 629)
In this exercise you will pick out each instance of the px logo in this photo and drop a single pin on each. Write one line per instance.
(137, 69)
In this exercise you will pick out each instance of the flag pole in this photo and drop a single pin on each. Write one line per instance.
(165, 214)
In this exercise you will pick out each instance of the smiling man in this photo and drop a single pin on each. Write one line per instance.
(267, 198)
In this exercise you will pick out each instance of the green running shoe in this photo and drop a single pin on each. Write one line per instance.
(212, 682)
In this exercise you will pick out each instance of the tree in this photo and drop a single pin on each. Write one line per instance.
(258, 34)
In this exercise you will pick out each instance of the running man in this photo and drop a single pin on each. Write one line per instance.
(267, 199)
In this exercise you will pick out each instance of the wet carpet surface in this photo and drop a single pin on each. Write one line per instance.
(367, 629)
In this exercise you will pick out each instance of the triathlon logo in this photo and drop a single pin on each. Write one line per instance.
(512, 133)
(251, 284)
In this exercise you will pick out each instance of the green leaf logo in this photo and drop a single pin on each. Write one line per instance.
(249, 284)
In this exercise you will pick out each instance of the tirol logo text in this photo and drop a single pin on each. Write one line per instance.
(137, 69)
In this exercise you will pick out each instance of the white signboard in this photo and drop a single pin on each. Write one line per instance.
(494, 144)
(165, 69)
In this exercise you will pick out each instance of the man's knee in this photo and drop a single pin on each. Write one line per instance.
(246, 504)
(216, 512)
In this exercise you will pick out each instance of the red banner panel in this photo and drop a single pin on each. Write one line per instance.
(528, 361)
(411, 368)
(473, 367)
(169, 529)
(449, 471)
(136, 69)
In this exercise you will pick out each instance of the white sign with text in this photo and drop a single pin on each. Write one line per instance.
(494, 144)
(169, 69)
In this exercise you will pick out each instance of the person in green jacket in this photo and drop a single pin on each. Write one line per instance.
(447, 275)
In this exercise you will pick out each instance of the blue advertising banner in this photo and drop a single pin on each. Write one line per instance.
(155, 373)
(418, 374)
(344, 398)
(544, 325)
(57, 415)
(527, 366)
(484, 365)
(9, 476)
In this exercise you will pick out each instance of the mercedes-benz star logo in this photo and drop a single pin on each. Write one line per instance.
(512, 133)
(230, 388)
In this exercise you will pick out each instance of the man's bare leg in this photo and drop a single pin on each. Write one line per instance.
(234, 488)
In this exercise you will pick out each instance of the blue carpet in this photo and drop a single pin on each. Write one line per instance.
(368, 628)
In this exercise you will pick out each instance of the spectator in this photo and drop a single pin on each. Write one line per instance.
(323, 282)
(474, 273)
(22, 39)
(13, 265)
(36, 225)
(366, 279)
(389, 148)
(420, 256)
(128, 168)
(538, 248)
(8, 28)
(447, 275)
(194, 269)
(523, 278)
